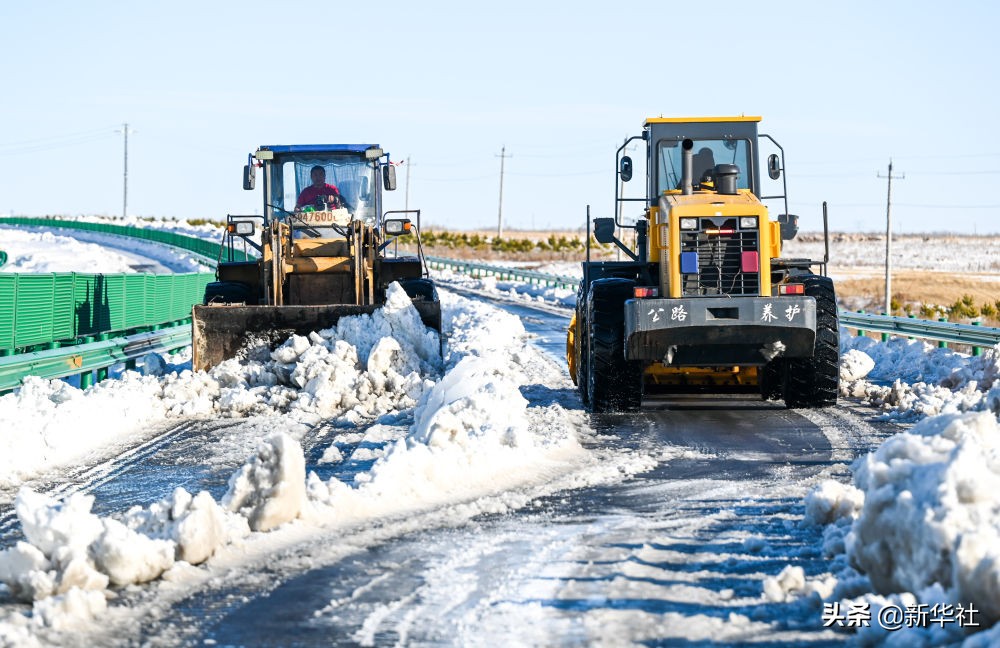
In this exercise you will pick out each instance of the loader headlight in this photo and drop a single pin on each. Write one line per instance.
(689, 223)
(748, 222)
(241, 228)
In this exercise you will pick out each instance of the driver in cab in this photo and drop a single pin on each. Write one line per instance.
(319, 193)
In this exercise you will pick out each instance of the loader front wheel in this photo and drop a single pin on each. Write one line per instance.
(814, 382)
(228, 292)
(614, 383)
(422, 291)
(581, 354)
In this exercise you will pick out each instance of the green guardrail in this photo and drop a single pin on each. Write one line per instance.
(974, 335)
(205, 248)
(38, 310)
(49, 322)
(84, 359)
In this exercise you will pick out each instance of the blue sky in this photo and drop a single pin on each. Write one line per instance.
(842, 86)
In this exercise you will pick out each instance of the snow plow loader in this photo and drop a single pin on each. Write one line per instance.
(321, 251)
(705, 302)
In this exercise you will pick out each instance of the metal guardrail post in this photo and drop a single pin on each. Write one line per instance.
(87, 377)
(942, 344)
(861, 332)
(102, 372)
(977, 351)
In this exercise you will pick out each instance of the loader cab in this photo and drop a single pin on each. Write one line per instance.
(732, 141)
(288, 174)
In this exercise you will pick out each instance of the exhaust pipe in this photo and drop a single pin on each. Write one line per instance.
(687, 167)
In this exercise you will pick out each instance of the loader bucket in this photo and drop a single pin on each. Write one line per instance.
(223, 332)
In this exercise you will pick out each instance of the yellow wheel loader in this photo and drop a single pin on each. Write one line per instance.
(321, 248)
(705, 301)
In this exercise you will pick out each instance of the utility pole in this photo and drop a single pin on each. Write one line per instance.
(888, 238)
(503, 155)
(124, 131)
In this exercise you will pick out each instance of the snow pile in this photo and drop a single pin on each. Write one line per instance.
(855, 365)
(71, 557)
(473, 433)
(269, 490)
(932, 511)
(919, 527)
(67, 547)
(365, 367)
(911, 380)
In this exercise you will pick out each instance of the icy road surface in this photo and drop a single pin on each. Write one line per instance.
(679, 551)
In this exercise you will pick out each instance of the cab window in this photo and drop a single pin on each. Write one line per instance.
(707, 154)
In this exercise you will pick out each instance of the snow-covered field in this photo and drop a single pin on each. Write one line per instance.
(43, 250)
(941, 252)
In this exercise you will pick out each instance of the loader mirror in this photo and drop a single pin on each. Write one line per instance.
(364, 193)
(625, 168)
(789, 226)
(398, 226)
(773, 166)
(604, 230)
(389, 177)
(249, 176)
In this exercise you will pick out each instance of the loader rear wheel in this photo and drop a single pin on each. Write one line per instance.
(228, 292)
(814, 382)
(614, 383)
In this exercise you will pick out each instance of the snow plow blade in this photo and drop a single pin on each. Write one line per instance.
(223, 332)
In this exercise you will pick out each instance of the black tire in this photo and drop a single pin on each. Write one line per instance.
(580, 347)
(772, 379)
(228, 292)
(614, 383)
(814, 382)
(421, 289)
